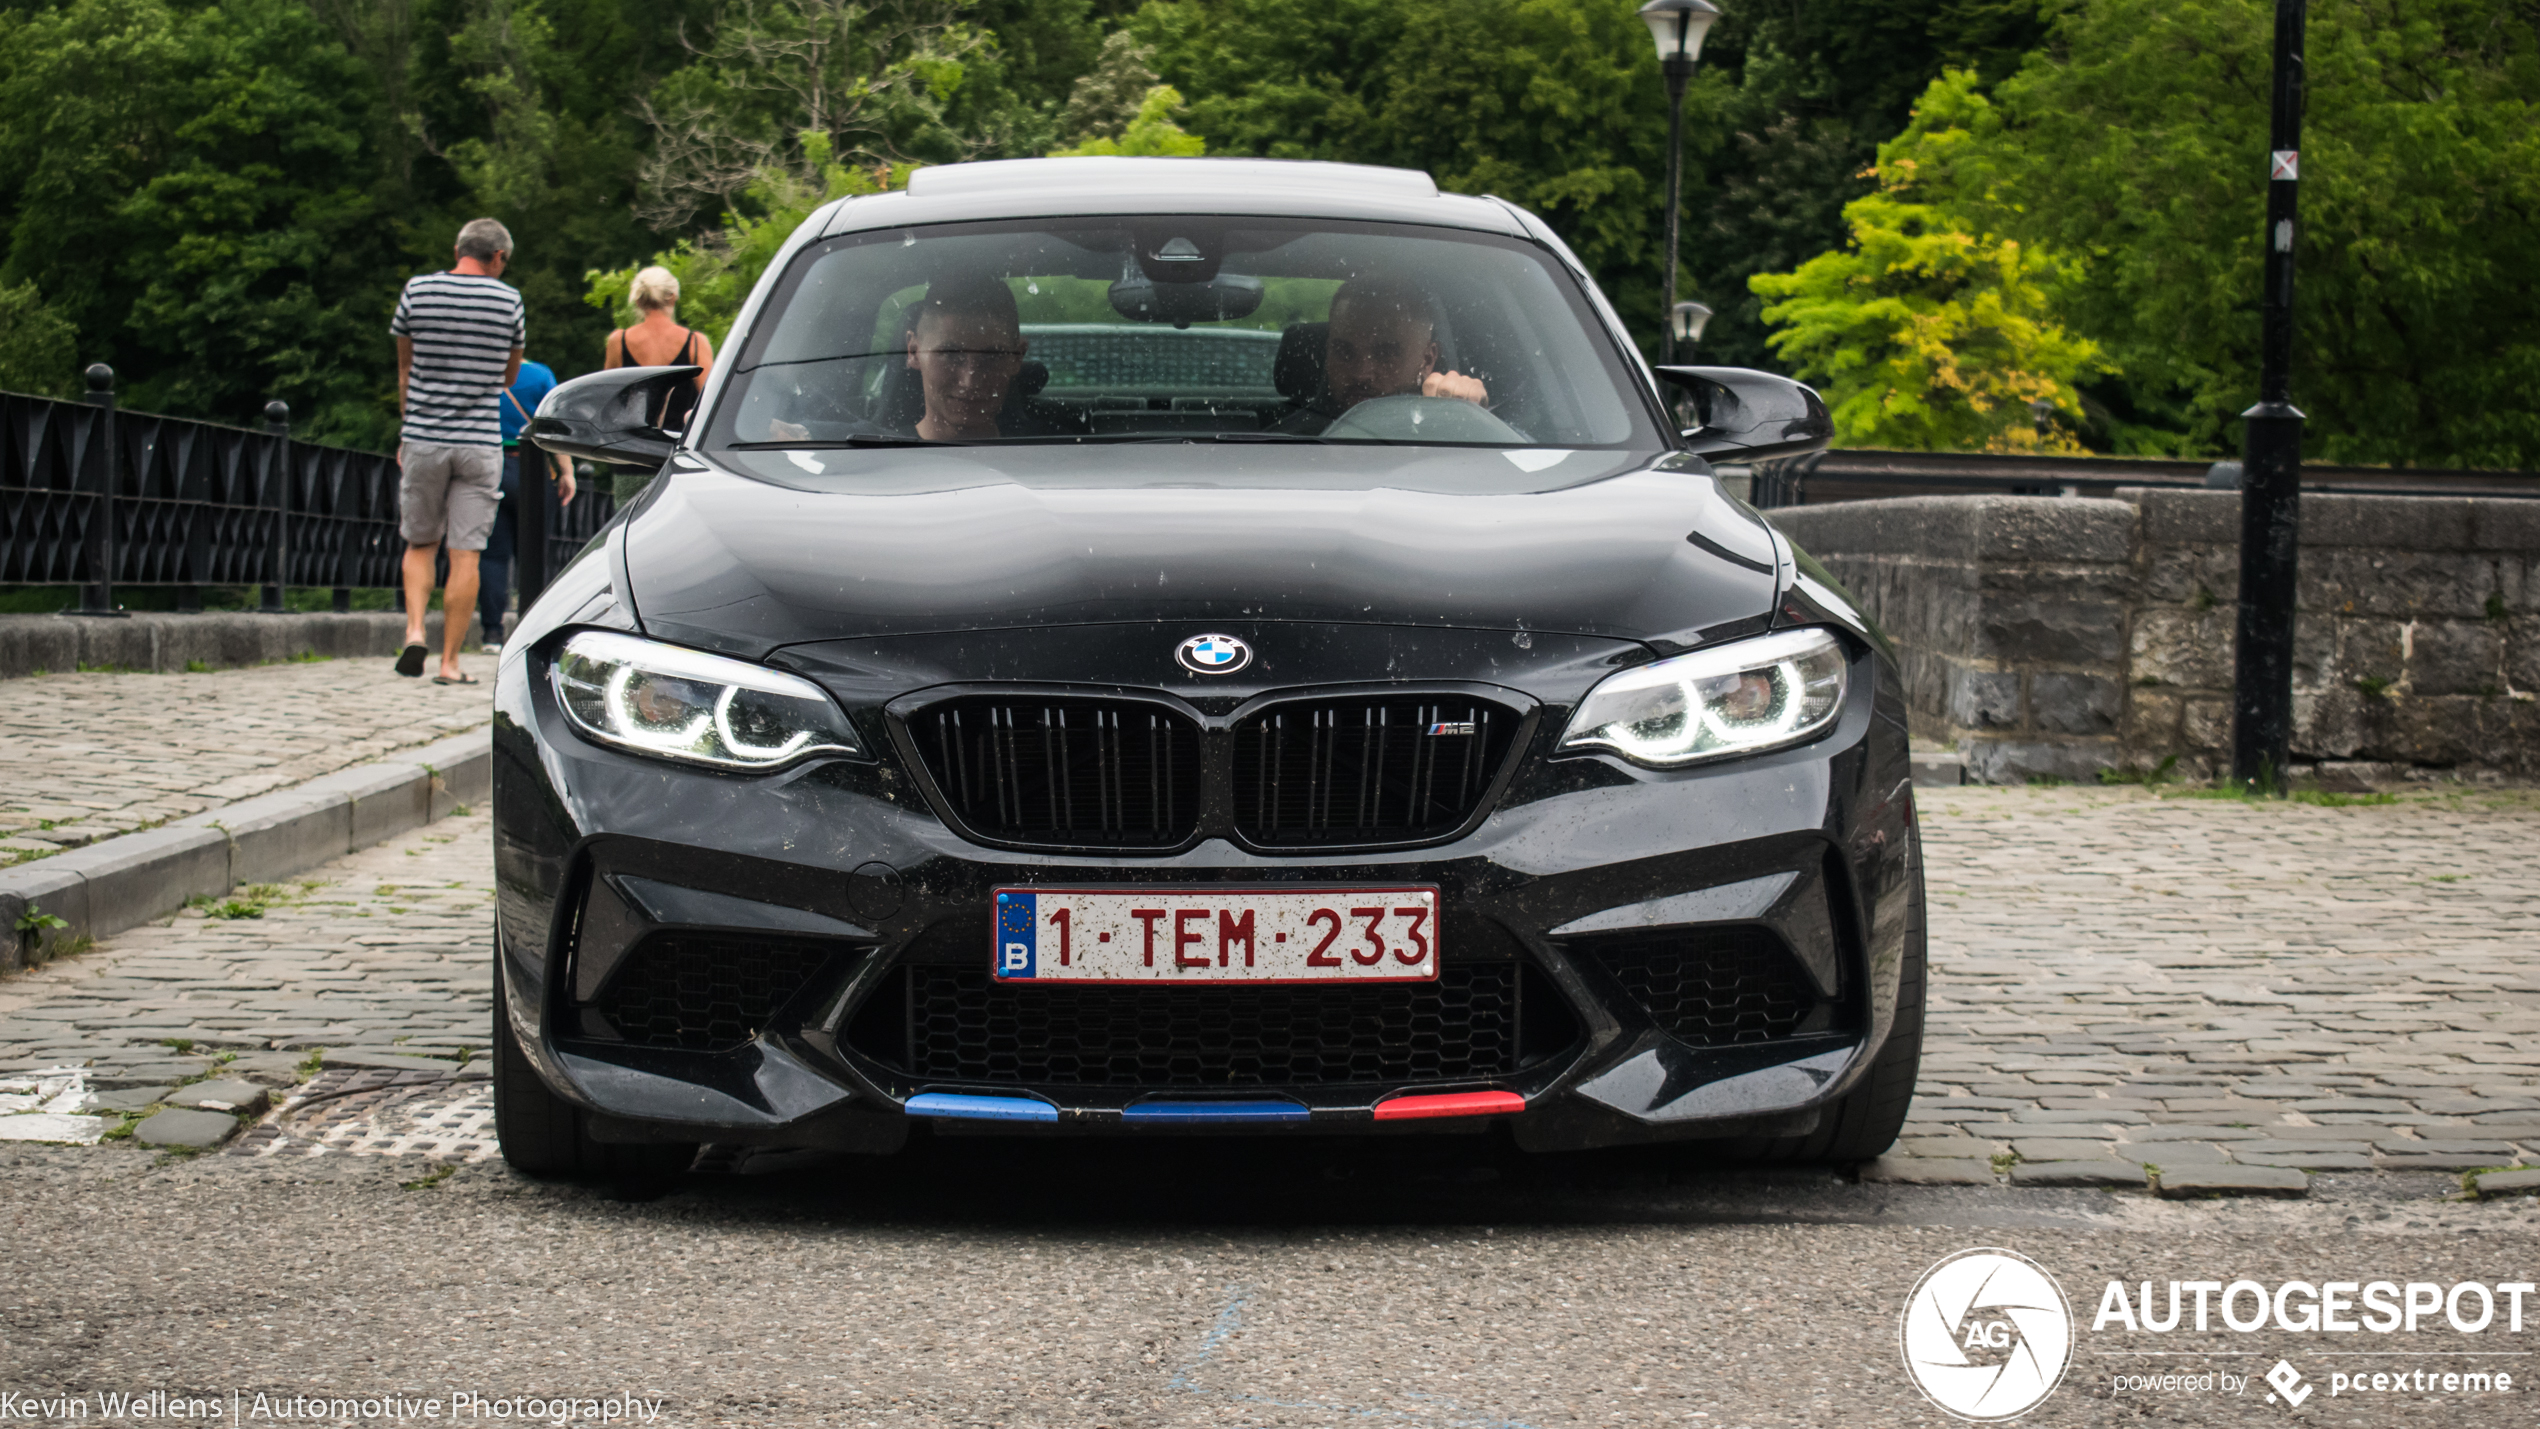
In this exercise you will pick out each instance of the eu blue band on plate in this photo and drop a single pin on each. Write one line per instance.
(1216, 1111)
(963, 1108)
(1018, 943)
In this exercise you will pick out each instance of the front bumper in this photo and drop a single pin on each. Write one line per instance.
(850, 909)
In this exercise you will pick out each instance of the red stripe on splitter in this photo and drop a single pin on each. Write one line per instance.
(1450, 1104)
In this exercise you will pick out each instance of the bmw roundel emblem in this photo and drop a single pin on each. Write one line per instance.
(1213, 654)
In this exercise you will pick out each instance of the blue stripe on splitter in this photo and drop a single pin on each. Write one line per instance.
(962, 1108)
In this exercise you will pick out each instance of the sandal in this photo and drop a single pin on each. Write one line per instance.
(410, 661)
(461, 680)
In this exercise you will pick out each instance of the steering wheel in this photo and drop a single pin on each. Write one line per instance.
(1413, 418)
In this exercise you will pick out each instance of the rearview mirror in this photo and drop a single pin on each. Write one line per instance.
(1224, 298)
(608, 416)
(1751, 415)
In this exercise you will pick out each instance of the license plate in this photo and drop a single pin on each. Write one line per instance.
(1169, 935)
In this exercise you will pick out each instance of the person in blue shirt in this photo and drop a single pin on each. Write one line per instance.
(519, 400)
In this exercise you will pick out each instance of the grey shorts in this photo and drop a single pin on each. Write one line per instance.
(448, 493)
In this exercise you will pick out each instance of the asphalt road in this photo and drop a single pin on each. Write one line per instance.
(1441, 1283)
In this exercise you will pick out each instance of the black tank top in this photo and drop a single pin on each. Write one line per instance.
(681, 402)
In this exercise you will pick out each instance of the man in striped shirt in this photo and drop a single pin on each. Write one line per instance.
(459, 340)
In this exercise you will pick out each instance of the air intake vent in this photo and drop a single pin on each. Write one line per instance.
(1366, 770)
(1080, 773)
(1713, 987)
(966, 1026)
(701, 994)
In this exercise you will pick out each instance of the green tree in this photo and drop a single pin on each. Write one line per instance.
(39, 349)
(186, 186)
(717, 270)
(1930, 334)
(2136, 143)
(873, 81)
(1149, 133)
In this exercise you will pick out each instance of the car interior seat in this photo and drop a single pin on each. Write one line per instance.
(1298, 370)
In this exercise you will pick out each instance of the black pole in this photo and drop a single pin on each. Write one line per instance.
(97, 593)
(1679, 71)
(278, 427)
(2271, 463)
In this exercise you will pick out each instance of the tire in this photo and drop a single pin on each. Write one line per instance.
(541, 1134)
(1864, 1123)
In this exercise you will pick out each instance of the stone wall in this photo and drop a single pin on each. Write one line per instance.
(2061, 636)
(162, 641)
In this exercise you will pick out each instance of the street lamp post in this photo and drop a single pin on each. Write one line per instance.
(1678, 26)
(2271, 461)
(1690, 319)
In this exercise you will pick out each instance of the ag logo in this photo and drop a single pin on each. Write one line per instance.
(1987, 1334)
(1213, 654)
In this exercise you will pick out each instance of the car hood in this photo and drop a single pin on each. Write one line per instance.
(864, 543)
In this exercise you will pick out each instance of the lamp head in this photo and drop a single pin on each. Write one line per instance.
(1678, 27)
(1689, 319)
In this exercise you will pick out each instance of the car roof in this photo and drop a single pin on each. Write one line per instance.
(1086, 187)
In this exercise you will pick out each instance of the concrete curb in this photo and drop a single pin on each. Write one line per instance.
(123, 882)
(164, 642)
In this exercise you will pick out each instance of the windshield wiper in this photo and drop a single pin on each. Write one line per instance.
(859, 439)
(1267, 437)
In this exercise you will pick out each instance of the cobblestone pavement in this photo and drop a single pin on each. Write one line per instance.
(2118, 979)
(2122, 979)
(380, 957)
(87, 756)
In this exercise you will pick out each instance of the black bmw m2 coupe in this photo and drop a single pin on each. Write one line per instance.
(1167, 647)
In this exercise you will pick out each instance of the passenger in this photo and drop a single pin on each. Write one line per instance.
(1382, 343)
(966, 346)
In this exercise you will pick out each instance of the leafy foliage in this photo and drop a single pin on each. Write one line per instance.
(868, 80)
(1931, 335)
(717, 271)
(1150, 133)
(183, 185)
(39, 349)
(2136, 144)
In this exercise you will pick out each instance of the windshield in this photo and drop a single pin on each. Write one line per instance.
(1178, 329)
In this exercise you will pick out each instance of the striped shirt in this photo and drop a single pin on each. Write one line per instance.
(464, 328)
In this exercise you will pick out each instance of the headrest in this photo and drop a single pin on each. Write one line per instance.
(1298, 372)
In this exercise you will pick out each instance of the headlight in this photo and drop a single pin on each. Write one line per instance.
(694, 707)
(1753, 695)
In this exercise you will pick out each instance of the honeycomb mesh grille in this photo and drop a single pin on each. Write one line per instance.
(966, 1026)
(1711, 987)
(704, 994)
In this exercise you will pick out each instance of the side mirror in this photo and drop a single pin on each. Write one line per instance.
(1749, 415)
(608, 416)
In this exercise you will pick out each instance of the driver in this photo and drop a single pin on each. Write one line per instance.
(1382, 343)
(966, 347)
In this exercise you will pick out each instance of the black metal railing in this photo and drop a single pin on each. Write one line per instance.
(98, 498)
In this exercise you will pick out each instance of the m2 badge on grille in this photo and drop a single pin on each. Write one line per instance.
(1206, 934)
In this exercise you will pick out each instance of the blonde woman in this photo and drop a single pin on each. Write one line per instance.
(657, 340)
